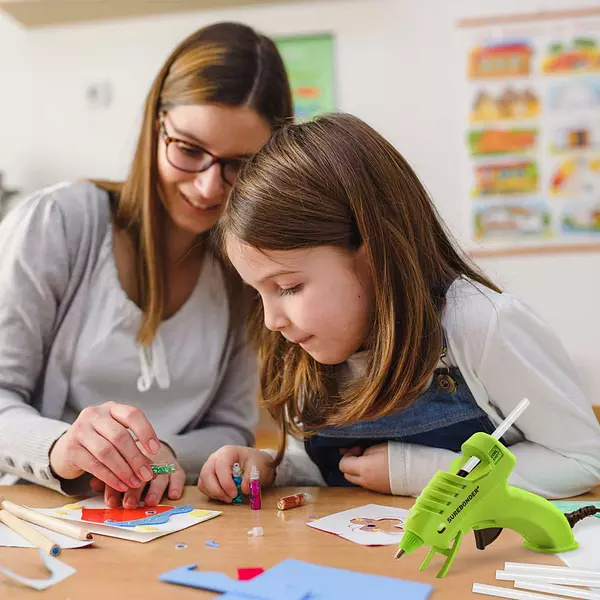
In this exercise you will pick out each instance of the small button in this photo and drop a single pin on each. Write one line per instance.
(44, 474)
(9, 461)
(28, 469)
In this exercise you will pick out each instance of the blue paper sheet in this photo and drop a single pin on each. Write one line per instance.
(297, 580)
(246, 590)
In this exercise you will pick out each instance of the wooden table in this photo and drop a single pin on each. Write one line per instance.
(116, 569)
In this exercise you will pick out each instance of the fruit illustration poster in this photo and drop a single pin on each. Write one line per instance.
(532, 130)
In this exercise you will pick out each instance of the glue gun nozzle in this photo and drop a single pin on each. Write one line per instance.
(400, 553)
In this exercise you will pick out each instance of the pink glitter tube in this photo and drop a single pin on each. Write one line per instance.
(255, 499)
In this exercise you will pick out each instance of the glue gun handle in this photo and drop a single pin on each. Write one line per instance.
(540, 523)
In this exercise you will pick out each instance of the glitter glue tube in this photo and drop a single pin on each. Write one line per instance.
(237, 479)
(293, 501)
(255, 500)
(160, 468)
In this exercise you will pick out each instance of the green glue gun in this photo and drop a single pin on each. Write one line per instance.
(475, 495)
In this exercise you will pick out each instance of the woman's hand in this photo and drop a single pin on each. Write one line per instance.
(369, 470)
(156, 489)
(99, 443)
(216, 480)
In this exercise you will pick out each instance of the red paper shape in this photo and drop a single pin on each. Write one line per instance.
(101, 515)
(249, 573)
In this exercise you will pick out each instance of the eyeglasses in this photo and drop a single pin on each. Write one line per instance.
(192, 158)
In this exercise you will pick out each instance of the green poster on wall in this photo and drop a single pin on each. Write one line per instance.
(309, 64)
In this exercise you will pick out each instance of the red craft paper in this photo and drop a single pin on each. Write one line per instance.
(249, 573)
(101, 515)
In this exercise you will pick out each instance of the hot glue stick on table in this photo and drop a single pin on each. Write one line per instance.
(474, 495)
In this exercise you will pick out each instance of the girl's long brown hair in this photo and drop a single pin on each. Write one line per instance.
(228, 64)
(335, 181)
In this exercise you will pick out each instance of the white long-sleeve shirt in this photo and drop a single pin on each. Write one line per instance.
(505, 352)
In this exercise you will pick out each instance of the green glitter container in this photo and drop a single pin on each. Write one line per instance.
(161, 468)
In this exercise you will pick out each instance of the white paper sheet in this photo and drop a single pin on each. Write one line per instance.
(58, 571)
(369, 525)
(587, 556)
(146, 533)
(9, 538)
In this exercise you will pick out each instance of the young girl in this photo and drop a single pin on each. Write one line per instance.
(116, 314)
(378, 342)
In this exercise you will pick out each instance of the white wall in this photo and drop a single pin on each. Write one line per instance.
(13, 121)
(76, 140)
(398, 65)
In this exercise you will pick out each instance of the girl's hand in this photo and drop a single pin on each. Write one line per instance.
(155, 490)
(99, 443)
(216, 479)
(370, 470)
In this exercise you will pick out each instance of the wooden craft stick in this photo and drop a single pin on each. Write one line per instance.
(29, 533)
(70, 529)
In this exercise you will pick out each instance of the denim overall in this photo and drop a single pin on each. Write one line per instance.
(438, 418)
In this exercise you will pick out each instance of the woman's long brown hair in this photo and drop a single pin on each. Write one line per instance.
(335, 181)
(228, 64)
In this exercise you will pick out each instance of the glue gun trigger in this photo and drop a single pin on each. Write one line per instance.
(484, 537)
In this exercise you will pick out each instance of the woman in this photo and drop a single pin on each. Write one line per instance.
(116, 316)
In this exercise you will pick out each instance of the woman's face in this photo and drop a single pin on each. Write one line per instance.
(191, 137)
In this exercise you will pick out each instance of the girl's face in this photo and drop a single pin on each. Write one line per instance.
(193, 187)
(320, 298)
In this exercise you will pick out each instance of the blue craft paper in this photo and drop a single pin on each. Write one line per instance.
(157, 519)
(246, 590)
(318, 583)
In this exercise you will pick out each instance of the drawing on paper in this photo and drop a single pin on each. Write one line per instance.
(509, 104)
(531, 135)
(512, 220)
(391, 525)
(575, 94)
(576, 176)
(133, 517)
(503, 58)
(577, 135)
(581, 216)
(492, 142)
(369, 525)
(513, 177)
(581, 55)
(141, 524)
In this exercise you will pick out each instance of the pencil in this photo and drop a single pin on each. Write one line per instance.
(29, 533)
(64, 527)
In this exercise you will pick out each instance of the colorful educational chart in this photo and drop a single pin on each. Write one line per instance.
(309, 62)
(532, 138)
